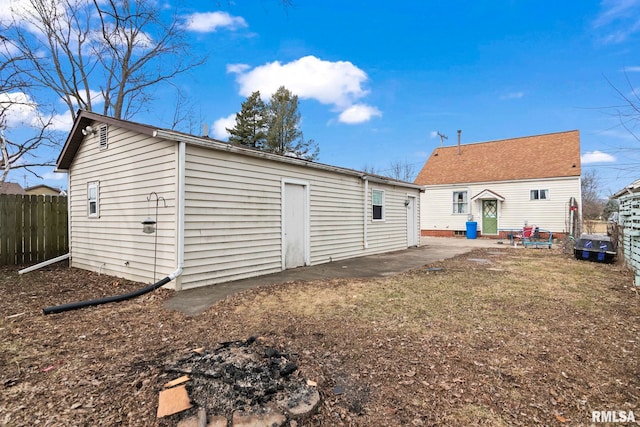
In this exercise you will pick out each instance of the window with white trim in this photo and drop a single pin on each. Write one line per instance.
(93, 199)
(103, 140)
(377, 205)
(539, 194)
(460, 202)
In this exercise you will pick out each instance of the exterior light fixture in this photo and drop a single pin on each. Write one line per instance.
(89, 131)
(406, 201)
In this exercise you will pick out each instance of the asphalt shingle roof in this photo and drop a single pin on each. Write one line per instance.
(539, 156)
(11, 188)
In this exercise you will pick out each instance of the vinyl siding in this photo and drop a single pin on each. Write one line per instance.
(233, 216)
(392, 231)
(130, 169)
(550, 214)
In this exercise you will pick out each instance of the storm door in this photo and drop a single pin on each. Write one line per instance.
(489, 217)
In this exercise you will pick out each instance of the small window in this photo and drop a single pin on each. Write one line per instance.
(103, 137)
(93, 206)
(539, 194)
(460, 203)
(377, 204)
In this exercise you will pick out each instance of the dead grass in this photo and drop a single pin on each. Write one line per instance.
(508, 337)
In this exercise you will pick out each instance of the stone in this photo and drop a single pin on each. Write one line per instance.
(200, 420)
(189, 422)
(217, 421)
(304, 405)
(270, 419)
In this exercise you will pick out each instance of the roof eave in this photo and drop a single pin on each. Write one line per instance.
(75, 138)
(224, 146)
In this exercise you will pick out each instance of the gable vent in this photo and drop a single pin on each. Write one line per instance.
(104, 141)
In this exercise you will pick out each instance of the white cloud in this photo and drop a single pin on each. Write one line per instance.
(433, 134)
(596, 157)
(218, 128)
(9, 48)
(635, 69)
(513, 95)
(95, 95)
(23, 12)
(54, 176)
(614, 10)
(237, 68)
(8, 7)
(339, 84)
(620, 19)
(209, 22)
(19, 109)
(359, 113)
(62, 122)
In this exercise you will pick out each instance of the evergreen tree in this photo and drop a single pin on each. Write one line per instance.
(284, 135)
(250, 129)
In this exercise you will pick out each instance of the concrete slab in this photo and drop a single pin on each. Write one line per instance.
(195, 301)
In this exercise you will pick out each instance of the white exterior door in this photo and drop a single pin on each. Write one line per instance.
(412, 222)
(295, 225)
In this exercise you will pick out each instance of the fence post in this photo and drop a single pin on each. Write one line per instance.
(5, 228)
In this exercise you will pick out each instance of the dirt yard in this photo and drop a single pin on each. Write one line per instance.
(495, 337)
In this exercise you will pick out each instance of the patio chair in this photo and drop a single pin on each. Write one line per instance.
(536, 240)
(525, 233)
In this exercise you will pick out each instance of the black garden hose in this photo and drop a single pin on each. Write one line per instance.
(115, 298)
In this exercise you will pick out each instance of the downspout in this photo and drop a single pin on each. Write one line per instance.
(44, 264)
(182, 162)
(160, 283)
(69, 212)
(365, 242)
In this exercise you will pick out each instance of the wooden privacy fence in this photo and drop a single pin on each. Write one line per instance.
(33, 228)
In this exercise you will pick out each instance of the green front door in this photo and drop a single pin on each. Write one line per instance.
(489, 217)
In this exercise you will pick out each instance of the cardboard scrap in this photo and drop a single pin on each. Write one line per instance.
(177, 381)
(173, 400)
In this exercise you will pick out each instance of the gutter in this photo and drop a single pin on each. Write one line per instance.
(160, 283)
(223, 146)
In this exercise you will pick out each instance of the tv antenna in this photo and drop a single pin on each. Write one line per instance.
(442, 138)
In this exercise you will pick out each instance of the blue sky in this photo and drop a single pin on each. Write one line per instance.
(378, 79)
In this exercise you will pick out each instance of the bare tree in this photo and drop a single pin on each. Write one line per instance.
(629, 111)
(369, 169)
(93, 52)
(16, 104)
(21, 155)
(401, 170)
(592, 204)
